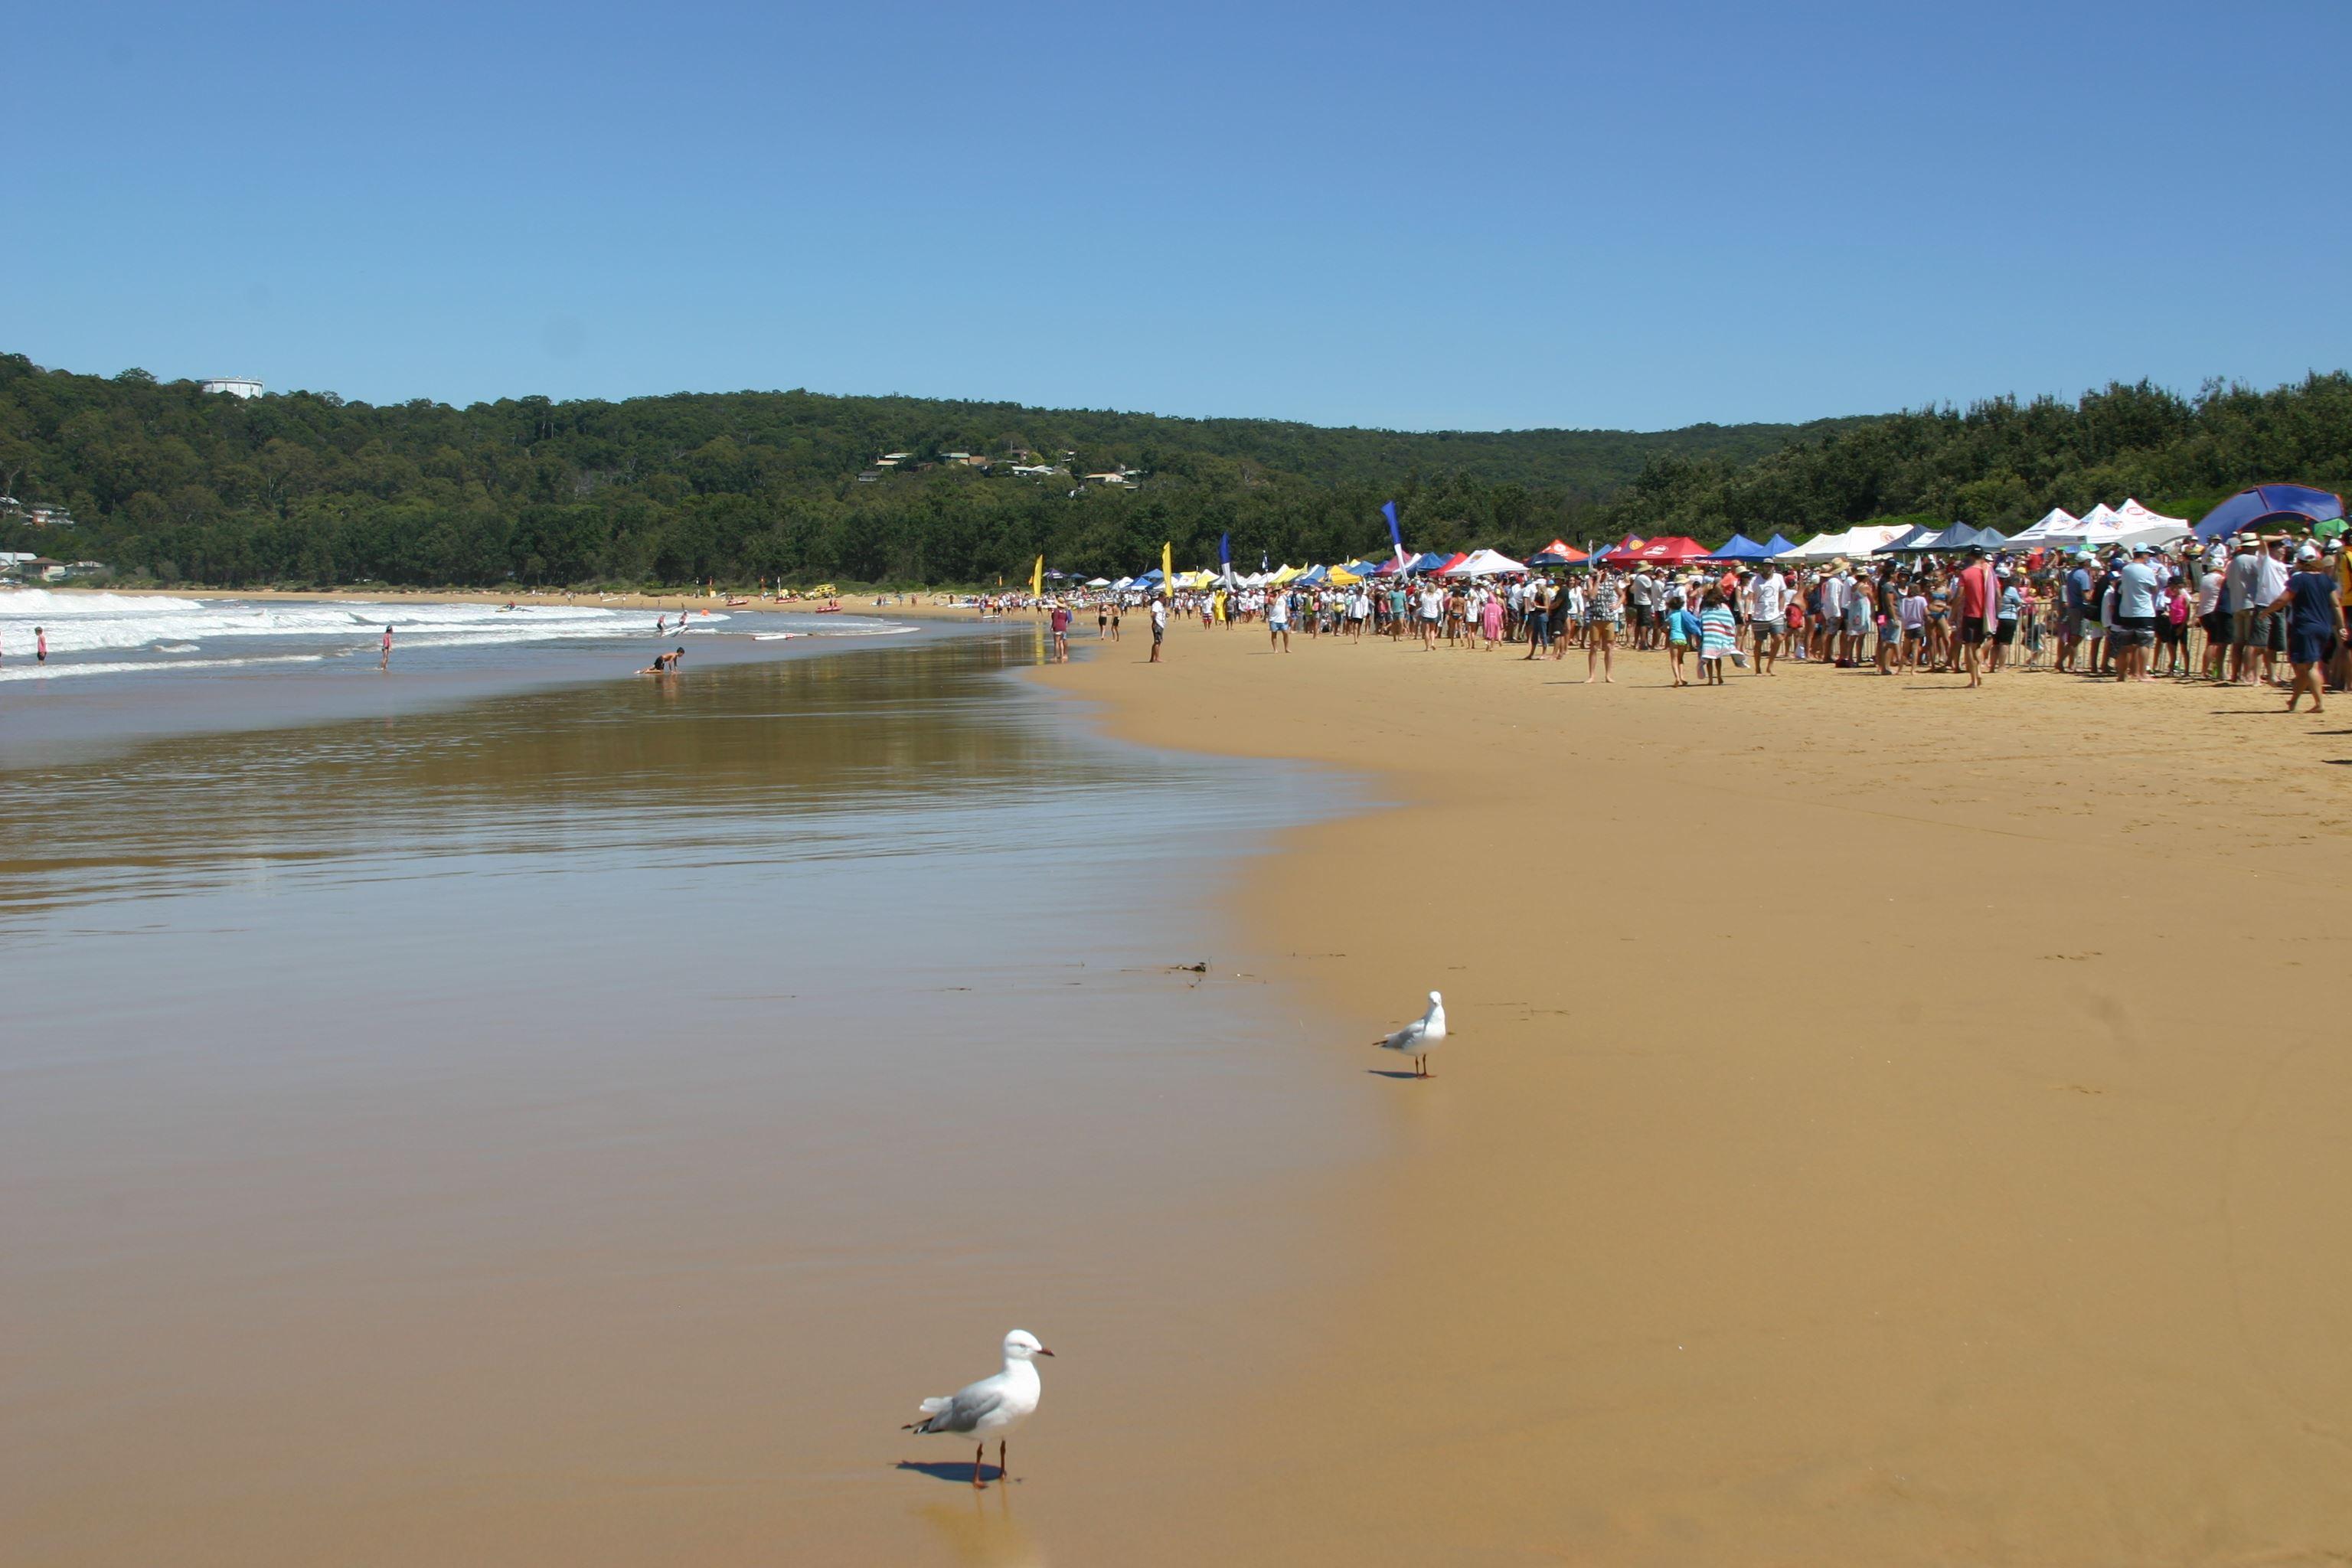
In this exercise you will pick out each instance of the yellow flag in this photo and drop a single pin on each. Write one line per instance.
(1037, 577)
(1167, 571)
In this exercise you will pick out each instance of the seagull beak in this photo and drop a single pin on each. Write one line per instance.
(1043, 1350)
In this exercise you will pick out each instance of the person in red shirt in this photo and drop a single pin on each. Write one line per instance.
(1975, 592)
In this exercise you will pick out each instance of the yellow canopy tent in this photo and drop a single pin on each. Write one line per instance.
(1342, 576)
(1287, 574)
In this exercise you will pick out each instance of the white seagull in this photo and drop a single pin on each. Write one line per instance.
(1420, 1037)
(992, 1408)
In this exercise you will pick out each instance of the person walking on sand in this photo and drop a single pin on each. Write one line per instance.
(1766, 614)
(1158, 624)
(1277, 620)
(2315, 624)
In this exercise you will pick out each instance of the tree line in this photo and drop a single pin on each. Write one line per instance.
(303, 487)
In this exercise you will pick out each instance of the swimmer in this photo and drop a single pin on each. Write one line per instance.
(384, 661)
(40, 646)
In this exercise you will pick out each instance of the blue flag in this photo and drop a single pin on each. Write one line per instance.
(1388, 509)
(1225, 550)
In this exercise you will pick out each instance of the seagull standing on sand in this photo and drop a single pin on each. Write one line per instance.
(992, 1408)
(1420, 1037)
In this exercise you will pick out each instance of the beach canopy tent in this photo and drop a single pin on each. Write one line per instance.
(1287, 573)
(2274, 507)
(2055, 525)
(1558, 552)
(1910, 539)
(1364, 568)
(1820, 547)
(1672, 550)
(1484, 563)
(1150, 576)
(1775, 545)
(1859, 541)
(1619, 550)
(1739, 547)
(1958, 536)
(1427, 561)
(1097, 581)
(1344, 576)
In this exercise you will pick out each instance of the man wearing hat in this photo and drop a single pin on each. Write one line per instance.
(2138, 589)
(2249, 622)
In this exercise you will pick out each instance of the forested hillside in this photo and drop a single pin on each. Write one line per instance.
(304, 487)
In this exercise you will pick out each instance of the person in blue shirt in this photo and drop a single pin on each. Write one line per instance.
(2315, 624)
(2138, 589)
(2077, 608)
(1681, 632)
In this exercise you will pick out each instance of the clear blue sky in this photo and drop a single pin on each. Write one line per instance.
(1466, 216)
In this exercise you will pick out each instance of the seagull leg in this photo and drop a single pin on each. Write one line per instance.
(1002, 1473)
(977, 1455)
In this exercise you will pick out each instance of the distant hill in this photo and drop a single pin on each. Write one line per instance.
(177, 485)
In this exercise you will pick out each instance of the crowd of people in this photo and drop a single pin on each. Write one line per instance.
(2267, 610)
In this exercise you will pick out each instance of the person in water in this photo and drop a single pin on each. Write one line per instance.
(40, 646)
(664, 664)
(384, 662)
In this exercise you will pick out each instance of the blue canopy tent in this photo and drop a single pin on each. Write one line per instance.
(1429, 560)
(2283, 506)
(1775, 545)
(1150, 576)
(1739, 547)
(1315, 574)
(1363, 568)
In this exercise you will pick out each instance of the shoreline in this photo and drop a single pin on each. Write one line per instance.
(1830, 1162)
(854, 605)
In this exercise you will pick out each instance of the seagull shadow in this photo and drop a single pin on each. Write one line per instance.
(956, 1470)
(1393, 1072)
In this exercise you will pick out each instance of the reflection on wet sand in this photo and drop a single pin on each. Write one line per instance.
(984, 1532)
(562, 1128)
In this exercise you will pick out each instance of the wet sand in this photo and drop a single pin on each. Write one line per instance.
(1886, 1123)
(578, 1126)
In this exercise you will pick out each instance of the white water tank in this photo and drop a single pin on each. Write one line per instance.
(234, 386)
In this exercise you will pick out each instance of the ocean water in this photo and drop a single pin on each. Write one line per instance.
(125, 668)
(578, 1123)
(92, 634)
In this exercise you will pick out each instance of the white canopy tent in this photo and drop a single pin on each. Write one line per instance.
(1486, 564)
(2145, 525)
(1852, 542)
(2056, 525)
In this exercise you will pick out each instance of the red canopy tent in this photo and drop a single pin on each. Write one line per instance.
(1456, 559)
(1669, 549)
(1619, 550)
(1557, 553)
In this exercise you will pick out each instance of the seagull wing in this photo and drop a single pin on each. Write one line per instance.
(963, 1410)
(1404, 1039)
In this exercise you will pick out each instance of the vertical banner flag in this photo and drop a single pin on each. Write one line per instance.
(1396, 537)
(1037, 578)
(1225, 558)
(1167, 569)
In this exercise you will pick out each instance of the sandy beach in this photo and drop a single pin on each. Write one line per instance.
(1884, 1122)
